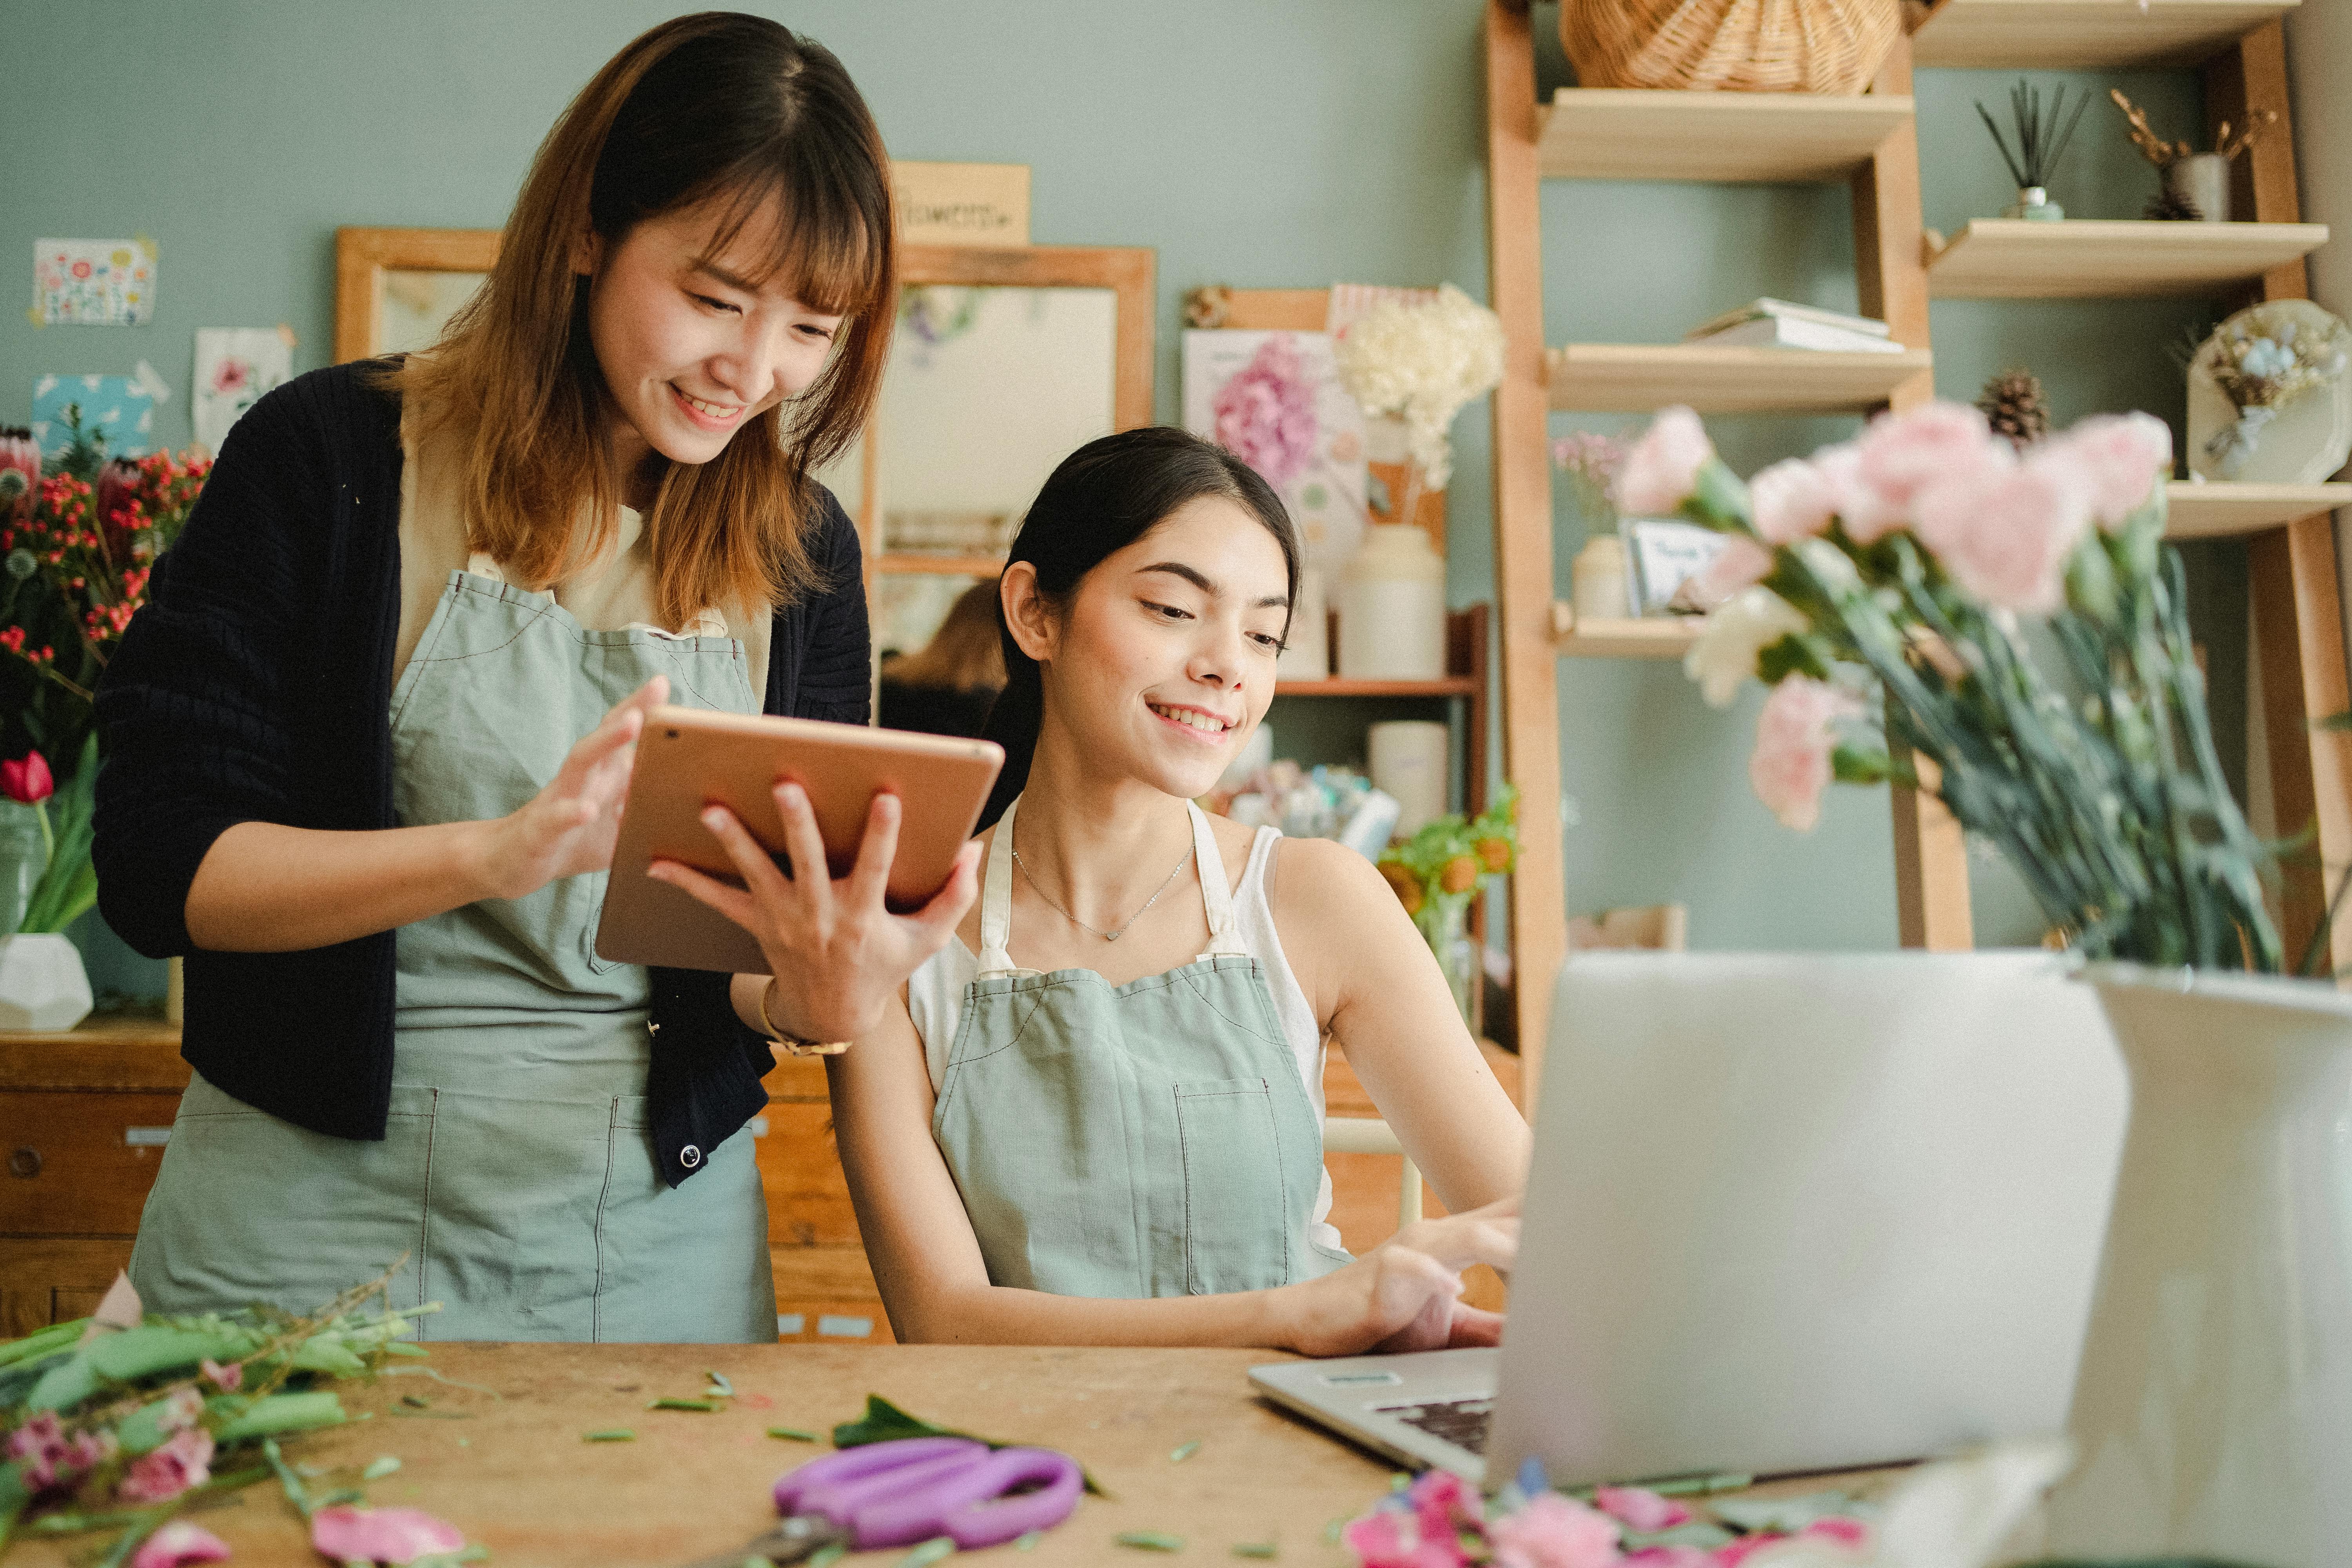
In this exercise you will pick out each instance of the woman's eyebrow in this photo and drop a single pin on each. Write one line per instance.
(1178, 569)
(712, 271)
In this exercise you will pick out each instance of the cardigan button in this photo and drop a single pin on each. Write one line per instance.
(689, 1156)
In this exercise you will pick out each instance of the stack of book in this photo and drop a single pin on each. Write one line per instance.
(1776, 324)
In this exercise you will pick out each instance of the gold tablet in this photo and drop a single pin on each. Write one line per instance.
(689, 758)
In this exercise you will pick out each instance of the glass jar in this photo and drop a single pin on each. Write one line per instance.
(1444, 925)
(24, 856)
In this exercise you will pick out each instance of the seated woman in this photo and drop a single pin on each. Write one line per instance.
(946, 687)
(1097, 1118)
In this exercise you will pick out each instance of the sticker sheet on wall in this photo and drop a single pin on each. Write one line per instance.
(93, 282)
(1273, 400)
(120, 407)
(235, 365)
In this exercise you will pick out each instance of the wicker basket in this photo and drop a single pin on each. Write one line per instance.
(1736, 46)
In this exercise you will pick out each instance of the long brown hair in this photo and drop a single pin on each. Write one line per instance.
(963, 655)
(720, 111)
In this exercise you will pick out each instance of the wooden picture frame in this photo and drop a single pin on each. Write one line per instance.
(362, 258)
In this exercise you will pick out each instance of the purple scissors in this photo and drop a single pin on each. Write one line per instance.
(897, 1493)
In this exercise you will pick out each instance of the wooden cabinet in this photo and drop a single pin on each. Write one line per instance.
(83, 1119)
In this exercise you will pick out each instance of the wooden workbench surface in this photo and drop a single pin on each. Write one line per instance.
(516, 1476)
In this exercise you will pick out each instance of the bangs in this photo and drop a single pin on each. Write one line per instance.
(810, 234)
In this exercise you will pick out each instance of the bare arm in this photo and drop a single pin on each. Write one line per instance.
(934, 1284)
(267, 887)
(1377, 985)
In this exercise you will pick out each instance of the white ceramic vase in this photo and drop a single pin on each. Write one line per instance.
(42, 983)
(2212, 1413)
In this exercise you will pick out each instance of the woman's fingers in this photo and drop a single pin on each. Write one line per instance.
(750, 855)
(731, 901)
(937, 920)
(804, 842)
(870, 877)
(1474, 1326)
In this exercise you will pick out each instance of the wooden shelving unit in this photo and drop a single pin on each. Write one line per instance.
(1653, 636)
(2095, 258)
(2233, 512)
(2088, 34)
(1638, 377)
(1340, 686)
(939, 565)
(1746, 137)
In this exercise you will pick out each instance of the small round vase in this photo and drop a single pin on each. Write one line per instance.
(2213, 1410)
(2202, 180)
(2035, 206)
(43, 986)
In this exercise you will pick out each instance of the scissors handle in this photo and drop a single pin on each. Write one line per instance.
(792, 1541)
(971, 1506)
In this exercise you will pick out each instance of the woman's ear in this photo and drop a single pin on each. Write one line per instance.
(1026, 614)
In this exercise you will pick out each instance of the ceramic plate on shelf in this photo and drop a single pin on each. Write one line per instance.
(2303, 444)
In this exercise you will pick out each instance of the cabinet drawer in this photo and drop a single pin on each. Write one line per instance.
(80, 1165)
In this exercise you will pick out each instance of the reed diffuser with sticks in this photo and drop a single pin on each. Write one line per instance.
(2040, 142)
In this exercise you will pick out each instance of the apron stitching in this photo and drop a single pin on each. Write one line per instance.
(1185, 1164)
(1200, 993)
(1282, 1170)
(597, 1293)
(1019, 1029)
(537, 616)
(425, 1214)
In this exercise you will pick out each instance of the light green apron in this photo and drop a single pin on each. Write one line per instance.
(1152, 1138)
(516, 1170)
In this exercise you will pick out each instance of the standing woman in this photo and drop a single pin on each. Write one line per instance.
(368, 745)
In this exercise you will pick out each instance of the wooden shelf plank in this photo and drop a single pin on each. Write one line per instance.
(2103, 259)
(1638, 377)
(2088, 35)
(939, 565)
(1340, 686)
(2215, 511)
(1652, 637)
(1774, 138)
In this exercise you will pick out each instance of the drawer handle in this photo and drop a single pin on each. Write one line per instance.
(25, 1163)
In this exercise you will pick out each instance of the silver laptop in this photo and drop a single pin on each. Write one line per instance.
(1786, 1212)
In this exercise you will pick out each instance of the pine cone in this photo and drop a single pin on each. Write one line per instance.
(2169, 205)
(2012, 404)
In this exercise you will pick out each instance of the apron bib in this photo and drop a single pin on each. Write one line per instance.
(1152, 1138)
(516, 1170)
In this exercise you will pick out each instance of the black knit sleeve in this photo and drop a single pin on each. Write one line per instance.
(193, 712)
(836, 673)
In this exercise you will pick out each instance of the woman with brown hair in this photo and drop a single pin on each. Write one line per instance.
(367, 743)
(947, 686)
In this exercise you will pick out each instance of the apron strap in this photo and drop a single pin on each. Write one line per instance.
(707, 621)
(1216, 893)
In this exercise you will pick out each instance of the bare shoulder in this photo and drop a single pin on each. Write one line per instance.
(1322, 880)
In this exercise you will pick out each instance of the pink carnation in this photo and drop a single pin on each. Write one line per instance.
(1554, 1532)
(1266, 414)
(1741, 564)
(1663, 467)
(1732, 1553)
(1790, 766)
(225, 1378)
(1394, 1538)
(1902, 454)
(179, 1544)
(348, 1534)
(2004, 534)
(185, 1461)
(2120, 458)
(1795, 500)
(1838, 1527)
(1640, 1510)
(1441, 1501)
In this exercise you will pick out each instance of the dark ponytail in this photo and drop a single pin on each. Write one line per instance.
(1103, 498)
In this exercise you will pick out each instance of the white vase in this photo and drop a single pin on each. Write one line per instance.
(1392, 607)
(42, 983)
(2202, 180)
(2212, 1412)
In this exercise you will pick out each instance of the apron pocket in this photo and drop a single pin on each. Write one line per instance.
(1236, 1224)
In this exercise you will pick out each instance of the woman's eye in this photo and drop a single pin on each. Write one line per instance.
(820, 335)
(716, 304)
(1169, 611)
(1267, 641)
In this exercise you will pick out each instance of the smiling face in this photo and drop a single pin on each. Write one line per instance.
(691, 350)
(1163, 661)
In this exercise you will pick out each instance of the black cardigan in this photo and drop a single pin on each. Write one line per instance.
(256, 685)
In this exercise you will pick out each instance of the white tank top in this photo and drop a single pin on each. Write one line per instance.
(935, 998)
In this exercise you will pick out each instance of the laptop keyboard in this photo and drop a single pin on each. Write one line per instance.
(1461, 1422)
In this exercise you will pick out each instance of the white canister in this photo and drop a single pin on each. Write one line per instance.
(1599, 574)
(43, 986)
(1392, 607)
(1407, 758)
(1306, 651)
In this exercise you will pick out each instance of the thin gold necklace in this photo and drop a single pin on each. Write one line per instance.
(1106, 935)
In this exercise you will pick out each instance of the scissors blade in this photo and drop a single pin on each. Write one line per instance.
(794, 1540)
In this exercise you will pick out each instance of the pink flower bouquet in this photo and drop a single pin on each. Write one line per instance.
(1896, 566)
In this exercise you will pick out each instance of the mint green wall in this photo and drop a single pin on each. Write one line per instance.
(1248, 142)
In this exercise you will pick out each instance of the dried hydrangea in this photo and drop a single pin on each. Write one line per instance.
(1423, 361)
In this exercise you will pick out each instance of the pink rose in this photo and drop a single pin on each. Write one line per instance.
(179, 1544)
(1902, 454)
(1440, 1500)
(1740, 565)
(1392, 1538)
(231, 375)
(1640, 1510)
(1732, 1553)
(1841, 1530)
(348, 1534)
(1554, 1532)
(185, 1461)
(2004, 533)
(2121, 458)
(1795, 500)
(1663, 467)
(1790, 766)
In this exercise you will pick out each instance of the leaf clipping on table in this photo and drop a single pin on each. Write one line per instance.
(380, 1467)
(720, 1383)
(1184, 1451)
(1256, 1549)
(610, 1434)
(792, 1434)
(1148, 1540)
(825, 1556)
(1028, 1540)
(928, 1552)
(885, 1422)
(671, 1402)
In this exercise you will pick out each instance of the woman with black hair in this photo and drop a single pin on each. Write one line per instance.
(1097, 1119)
(367, 743)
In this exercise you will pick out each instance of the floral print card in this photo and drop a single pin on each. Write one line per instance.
(93, 282)
(120, 407)
(1275, 400)
(235, 365)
